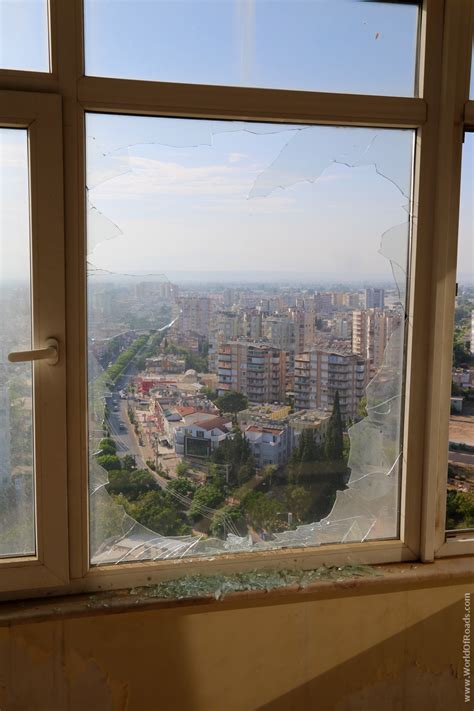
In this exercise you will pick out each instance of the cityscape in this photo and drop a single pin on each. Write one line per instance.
(224, 411)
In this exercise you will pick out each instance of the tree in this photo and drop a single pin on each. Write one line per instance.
(182, 468)
(232, 402)
(109, 461)
(459, 509)
(209, 496)
(128, 462)
(226, 520)
(153, 511)
(334, 443)
(261, 510)
(297, 501)
(182, 486)
(362, 407)
(132, 484)
(107, 446)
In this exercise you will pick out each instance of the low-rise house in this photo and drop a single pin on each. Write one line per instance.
(269, 445)
(200, 434)
(273, 432)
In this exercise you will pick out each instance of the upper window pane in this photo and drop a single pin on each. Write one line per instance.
(24, 35)
(355, 46)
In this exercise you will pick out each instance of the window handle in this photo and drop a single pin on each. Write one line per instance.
(50, 354)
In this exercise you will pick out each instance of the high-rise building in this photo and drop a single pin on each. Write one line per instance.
(320, 373)
(253, 369)
(304, 326)
(374, 298)
(371, 331)
(278, 330)
(342, 326)
(193, 315)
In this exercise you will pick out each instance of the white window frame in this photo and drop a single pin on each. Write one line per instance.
(40, 114)
(438, 114)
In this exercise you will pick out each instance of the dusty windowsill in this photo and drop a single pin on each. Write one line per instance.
(269, 587)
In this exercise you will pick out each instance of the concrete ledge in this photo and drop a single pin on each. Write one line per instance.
(381, 578)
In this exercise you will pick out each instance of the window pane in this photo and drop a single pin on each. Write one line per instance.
(24, 35)
(246, 293)
(17, 524)
(324, 45)
(460, 504)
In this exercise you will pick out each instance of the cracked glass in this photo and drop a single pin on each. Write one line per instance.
(246, 290)
(460, 486)
(356, 46)
(17, 514)
(24, 35)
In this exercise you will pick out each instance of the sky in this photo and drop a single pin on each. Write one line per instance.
(187, 192)
(236, 196)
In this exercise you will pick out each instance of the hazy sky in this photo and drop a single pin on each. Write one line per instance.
(188, 196)
(244, 201)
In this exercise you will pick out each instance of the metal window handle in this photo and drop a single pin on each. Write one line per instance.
(50, 354)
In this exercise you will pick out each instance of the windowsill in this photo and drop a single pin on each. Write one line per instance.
(378, 580)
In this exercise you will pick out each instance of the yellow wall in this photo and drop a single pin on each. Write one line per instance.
(358, 652)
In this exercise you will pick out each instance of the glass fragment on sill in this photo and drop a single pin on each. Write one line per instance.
(140, 160)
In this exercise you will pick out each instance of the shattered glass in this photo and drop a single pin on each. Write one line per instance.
(164, 196)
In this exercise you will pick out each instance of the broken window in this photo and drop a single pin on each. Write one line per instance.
(17, 515)
(324, 45)
(460, 494)
(24, 35)
(248, 280)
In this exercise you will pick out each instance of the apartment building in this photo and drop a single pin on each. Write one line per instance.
(374, 298)
(304, 326)
(255, 369)
(371, 331)
(320, 373)
(278, 330)
(194, 313)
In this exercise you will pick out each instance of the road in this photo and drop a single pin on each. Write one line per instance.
(461, 458)
(126, 439)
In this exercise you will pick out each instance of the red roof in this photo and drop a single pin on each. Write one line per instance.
(216, 422)
(269, 430)
(186, 410)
